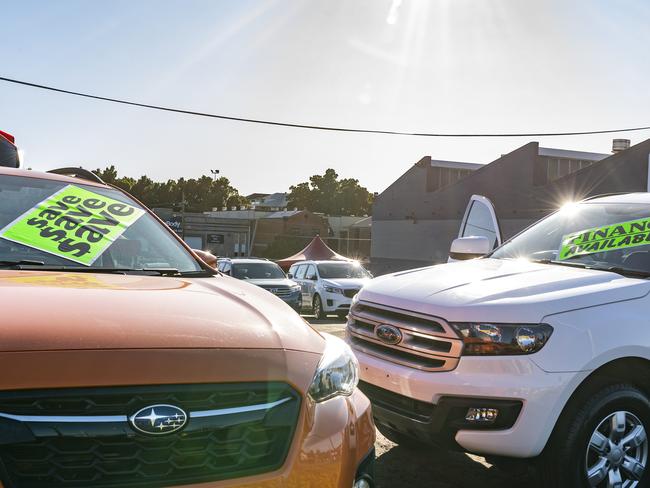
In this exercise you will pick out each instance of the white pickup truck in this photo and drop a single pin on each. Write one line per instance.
(540, 349)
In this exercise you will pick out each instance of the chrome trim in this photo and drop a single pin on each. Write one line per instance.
(90, 419)
(420, 341)
(234, 410)
(78, 419)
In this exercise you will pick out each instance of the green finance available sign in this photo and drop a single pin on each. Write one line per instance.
(74, 223)
(607, 238)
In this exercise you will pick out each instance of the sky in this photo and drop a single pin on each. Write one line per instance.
(407, 65)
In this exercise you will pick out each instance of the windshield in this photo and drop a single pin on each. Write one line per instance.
(601, 235)
(52, 223)
(257, 271)
(342, 270)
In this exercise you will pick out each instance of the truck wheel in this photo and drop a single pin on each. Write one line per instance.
(317, 308)
(601, 443)
(400, 439)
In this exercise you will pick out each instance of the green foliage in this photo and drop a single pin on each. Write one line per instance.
(331, 196)
(201, 195)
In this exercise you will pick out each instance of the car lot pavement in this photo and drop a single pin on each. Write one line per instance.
(400, 467)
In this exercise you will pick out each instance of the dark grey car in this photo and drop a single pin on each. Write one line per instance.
(265, 274)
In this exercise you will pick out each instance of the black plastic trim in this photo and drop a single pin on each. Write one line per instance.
(435, 423)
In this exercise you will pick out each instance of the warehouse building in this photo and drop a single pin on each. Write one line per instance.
(416, 218)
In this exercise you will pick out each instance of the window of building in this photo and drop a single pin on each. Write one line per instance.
(559, 167)
(438, 178)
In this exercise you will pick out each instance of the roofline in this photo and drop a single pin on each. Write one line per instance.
(441, 163)
(566, 153)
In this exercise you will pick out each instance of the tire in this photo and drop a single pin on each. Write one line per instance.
(570, 453)
(402, 440)
(317, 308)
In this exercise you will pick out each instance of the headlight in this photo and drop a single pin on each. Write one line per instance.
(332, 289)
(502, 339)
(337, 373)
(295, 288)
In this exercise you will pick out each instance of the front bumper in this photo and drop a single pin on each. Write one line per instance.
(336, 302)
(422, 403)
(336, 446)
(331, 441)
(294, 301)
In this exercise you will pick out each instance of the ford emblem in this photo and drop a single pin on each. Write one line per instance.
(158, 419)
(388, 334)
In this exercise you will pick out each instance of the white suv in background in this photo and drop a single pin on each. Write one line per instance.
(541, 349)
(329, 286)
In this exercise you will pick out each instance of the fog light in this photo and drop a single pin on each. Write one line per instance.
(362, 483)
(482, 415)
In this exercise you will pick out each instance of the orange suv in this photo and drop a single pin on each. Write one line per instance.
(127, 361)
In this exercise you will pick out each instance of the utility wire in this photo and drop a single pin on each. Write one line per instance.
(317, 127)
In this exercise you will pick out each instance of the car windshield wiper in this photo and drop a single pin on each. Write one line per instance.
(31, 262)
(95, 269)
(636, 273)
(559, 263)
(38, 265)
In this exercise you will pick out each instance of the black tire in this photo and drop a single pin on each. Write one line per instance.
(402, 440)
(317, 308)
(564, 461)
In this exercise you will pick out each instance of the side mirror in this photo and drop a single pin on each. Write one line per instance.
(290, 276)
(465, 248)
(207, 257)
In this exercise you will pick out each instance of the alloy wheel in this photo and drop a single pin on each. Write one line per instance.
(617, 453)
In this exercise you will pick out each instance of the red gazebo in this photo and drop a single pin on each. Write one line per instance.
(316, 250)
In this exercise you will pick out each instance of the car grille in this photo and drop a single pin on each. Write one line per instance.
(427, 342)
(233, 430)
(351, 293)
(279, 291)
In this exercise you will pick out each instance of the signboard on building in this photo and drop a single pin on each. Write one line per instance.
(175, 223)
(215, 238)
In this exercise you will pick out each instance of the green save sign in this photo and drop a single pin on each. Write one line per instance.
(74, 223)
(607, 238)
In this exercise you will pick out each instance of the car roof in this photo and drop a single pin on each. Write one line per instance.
(48, 176)
(320, 261)
(248, 260)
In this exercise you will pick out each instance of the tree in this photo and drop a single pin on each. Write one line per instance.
(200, 195)
(327, 194)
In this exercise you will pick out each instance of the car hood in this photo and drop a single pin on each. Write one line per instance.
(64, 311)
(500, 290)
(272, 283)
(346, 283)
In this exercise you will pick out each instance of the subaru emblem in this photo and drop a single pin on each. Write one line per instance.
(158, 419)
(388, 334)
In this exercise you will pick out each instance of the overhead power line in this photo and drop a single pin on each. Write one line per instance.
(317, 127)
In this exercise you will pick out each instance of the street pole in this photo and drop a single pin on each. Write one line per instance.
(183, 214)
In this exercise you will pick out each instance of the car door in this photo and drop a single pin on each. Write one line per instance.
(480, 219)
(299, 277)
(310, 283)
